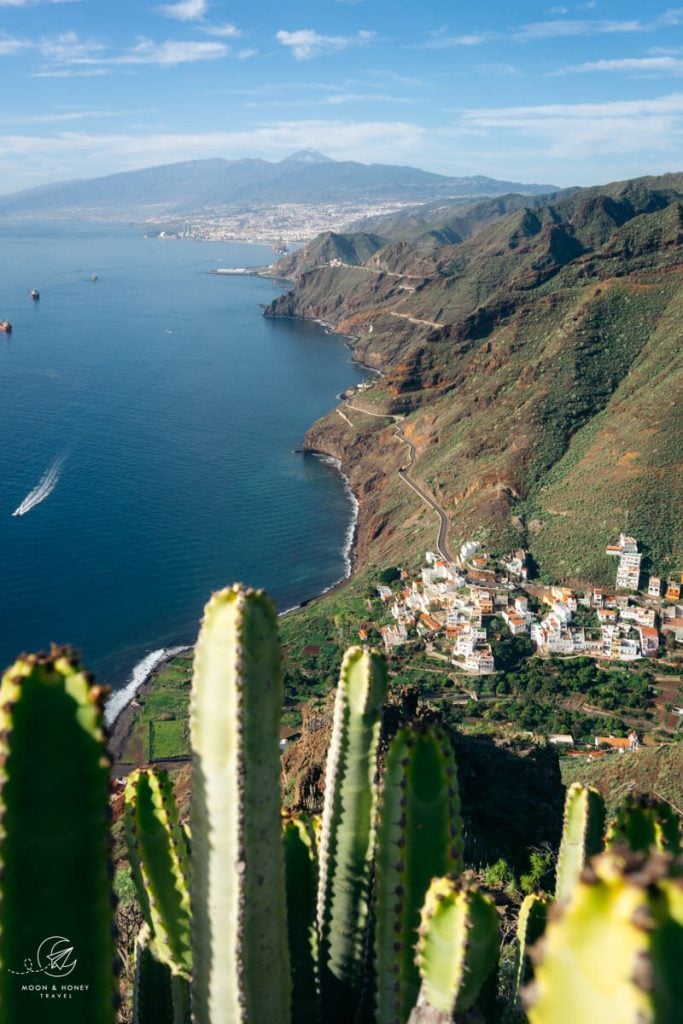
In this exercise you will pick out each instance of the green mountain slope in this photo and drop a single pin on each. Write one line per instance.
(539, 364)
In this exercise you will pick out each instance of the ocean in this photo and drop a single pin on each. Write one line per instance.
(149, 423)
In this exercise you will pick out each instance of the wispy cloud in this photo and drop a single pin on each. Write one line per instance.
(557, 28)
(337, 99)
(587, 129)
(306, 42)
(68, 51)
(34, 3)
(224, 31)
(9, 46)
(185, 10)
(71, 73)
(639, 65)
(173, 51)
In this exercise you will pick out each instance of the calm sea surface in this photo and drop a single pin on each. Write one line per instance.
(148, 423)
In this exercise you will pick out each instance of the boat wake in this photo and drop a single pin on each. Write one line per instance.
(140, 674)
(42, 491)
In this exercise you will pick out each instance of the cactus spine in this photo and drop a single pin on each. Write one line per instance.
(644, 823)
(419, 837)
(582, 836)
(241, 962)
(613, 951)
(157, 851)
(55, 891)
(301, 878)
(347, 839)
(457, 951)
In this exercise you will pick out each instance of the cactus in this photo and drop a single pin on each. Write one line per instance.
(159, 996)
(613, 951)
(301, 879)
(239, 940)
(419, 836)
(457, 949)
(157, 850)
(347, 838)
(56, 904)
(582, 836)
(643, 822)
(531, 923)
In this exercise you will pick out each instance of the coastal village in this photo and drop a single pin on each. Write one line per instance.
(456, 602)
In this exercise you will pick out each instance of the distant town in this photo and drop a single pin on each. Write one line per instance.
(292, 223)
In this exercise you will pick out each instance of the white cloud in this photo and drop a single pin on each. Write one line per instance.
(306, 42)
(246, 53)
(185, 10)
(558, 28)
(646, 65)
(225, 31)
(575, 130)
(68, 50)
(170, 52)
(33, 3)
(71, 73)
(338, 98)
(9, 46)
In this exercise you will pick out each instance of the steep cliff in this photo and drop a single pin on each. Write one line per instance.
(538, 363)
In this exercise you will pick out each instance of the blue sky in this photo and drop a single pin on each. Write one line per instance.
(554, 91)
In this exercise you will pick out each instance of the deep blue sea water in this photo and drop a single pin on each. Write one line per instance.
(160, 412)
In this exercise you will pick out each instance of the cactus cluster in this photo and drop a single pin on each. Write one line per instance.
(363, 917)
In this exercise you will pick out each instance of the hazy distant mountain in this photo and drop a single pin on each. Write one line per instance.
(303, 177)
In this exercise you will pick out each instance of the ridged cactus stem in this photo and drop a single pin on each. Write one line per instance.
(419, 837)
(301, 875)
(613, 952)
(241, 965)
(347, 839)
(582, 836)
(159, 996)
(457, 951)
(157, 850)
(644, 823)
(56, 904)
(531, 923)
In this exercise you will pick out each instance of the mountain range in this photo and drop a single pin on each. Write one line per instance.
(533, 347)
(203, 185)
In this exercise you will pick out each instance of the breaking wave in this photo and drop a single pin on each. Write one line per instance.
(42, 491)
(140, 674)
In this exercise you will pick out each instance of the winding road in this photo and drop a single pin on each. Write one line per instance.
(404, 473)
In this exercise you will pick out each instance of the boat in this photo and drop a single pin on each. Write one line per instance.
(34, 293)
(280, 248)
(5, 326)
(93, 277)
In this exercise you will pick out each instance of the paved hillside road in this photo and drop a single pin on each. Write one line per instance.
(404, 473)
(415, 320)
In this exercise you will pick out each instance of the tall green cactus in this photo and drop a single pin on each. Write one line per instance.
(56, 913)
(419, 837)
(531, 922)
(347, 838)
(301, 882)
(457, 951)
(582, 836)
(159, 995)
(241, 963)
(613, 951)
(643, 822)
(157, 850)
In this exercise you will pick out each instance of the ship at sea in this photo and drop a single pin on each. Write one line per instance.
(34, 293)
(5, 326)
(280, 248)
